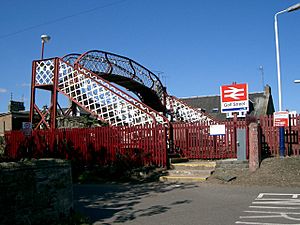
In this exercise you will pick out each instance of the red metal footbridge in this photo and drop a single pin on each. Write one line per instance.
(95, 82)
(89, 81)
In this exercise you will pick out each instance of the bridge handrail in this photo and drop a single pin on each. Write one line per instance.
(111, 58)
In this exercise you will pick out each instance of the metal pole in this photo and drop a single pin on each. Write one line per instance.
(278, 60)
(43, 45)
(32, 98)
(290, 9)
(281, 142)
(45, 38)
(261, 68)
(281, 129)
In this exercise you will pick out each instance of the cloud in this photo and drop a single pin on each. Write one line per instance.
(25, 85)
(3, 90)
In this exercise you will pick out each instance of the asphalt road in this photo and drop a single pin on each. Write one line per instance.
(187, 204)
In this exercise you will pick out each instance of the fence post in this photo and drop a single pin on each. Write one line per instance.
(234, 136)
(289, 137)
(254, 151)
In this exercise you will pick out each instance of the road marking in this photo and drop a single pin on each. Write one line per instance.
(257, 223)
(281, 202)
(284, 215)
(261, 195)
(273, 209)
(272, 212)
(277, 199)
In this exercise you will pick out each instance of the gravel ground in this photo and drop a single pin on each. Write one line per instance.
(279, 172)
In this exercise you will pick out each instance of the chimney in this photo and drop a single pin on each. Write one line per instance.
(267, 90)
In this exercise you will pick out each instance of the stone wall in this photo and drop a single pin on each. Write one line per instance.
(5, 123)
(35, 191)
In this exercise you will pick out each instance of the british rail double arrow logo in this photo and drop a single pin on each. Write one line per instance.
(235, 92)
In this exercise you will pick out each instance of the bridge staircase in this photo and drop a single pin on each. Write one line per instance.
(89, 81)
(89, 91)
(139, 80)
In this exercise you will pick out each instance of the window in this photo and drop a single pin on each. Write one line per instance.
(215, 110)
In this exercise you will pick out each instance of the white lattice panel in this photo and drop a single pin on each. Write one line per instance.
(103, 99)
(158, 117)
(184, 113)
(44, 72)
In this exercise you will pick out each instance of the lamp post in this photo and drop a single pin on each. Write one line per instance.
(281, 129)
(290, 9)
(45, 38)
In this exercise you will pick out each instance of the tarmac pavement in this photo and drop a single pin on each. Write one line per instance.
(160, 203)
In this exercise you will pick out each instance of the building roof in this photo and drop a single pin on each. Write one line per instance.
(260, 103)
(15, 113)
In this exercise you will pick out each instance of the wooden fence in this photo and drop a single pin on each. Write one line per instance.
(102, 145)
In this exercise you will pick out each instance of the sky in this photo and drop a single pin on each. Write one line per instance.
(194, 45)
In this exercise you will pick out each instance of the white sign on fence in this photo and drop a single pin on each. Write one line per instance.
(281, 119)
(27, 128)
(217, 129)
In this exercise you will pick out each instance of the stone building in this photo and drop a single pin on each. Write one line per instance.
(12, 120)
(260, 103)
(16, 115)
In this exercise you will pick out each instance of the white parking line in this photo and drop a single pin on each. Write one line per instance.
(261, 195)
(272, 209)
(273, 212)
(257, 223)
(282, 202)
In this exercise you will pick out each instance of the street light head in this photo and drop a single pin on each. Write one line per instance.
(45, 38)
(296, 81)
(293, 7)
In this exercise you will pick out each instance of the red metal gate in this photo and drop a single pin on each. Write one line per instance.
(193, 140)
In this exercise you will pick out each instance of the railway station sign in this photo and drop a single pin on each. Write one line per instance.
(281, 119)
(234, 98)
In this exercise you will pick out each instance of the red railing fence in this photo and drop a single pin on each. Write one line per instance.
(270, 136)
(103, 145)
(193, 140)
(148, 144)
